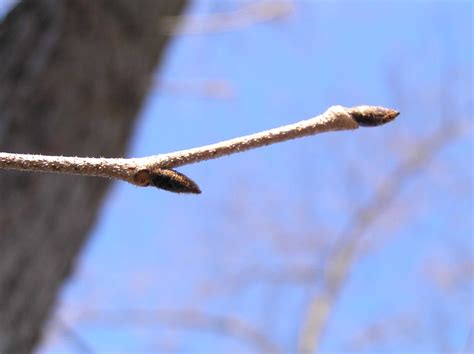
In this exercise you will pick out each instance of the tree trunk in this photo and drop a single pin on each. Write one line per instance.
(73, 74)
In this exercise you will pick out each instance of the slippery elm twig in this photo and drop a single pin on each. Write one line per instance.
(157, 170)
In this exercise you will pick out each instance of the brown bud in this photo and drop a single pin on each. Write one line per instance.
(173, 181)
(371, 116)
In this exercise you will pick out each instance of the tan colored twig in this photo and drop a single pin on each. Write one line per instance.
(157, 170)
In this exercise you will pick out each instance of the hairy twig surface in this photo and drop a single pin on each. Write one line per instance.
(157, 170)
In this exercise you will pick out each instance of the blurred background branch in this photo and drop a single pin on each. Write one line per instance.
(345, 253)
(244, 16)
(191, 320)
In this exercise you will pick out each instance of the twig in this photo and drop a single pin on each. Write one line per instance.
(344, 256)
(213, 88)
(231, 326)
(157, 170)
(79, 342)
(226, 21)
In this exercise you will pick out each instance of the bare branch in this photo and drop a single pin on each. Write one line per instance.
(157, 170)
(214, 88)
(400, 325)
(300, 275)
(344, 256)
(226, 21)
(80, 343)
(229, 325)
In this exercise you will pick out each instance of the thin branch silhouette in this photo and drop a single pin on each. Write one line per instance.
(232, 326)
(243, 17)
(347, 251)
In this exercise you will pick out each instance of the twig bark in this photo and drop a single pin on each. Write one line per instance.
(157, 170)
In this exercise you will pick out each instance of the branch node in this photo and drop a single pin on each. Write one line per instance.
(166, 179)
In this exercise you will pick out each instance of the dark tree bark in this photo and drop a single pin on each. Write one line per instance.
(73, 74)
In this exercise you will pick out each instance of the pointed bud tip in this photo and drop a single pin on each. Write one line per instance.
(372, 116)
(392, 114)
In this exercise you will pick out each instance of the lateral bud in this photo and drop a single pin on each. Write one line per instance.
(166, 179)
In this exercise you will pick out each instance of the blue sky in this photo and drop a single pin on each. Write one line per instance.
(409, 55)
